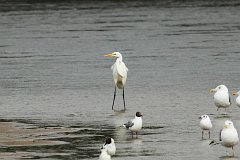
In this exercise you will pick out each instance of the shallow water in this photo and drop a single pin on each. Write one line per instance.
(53, 73)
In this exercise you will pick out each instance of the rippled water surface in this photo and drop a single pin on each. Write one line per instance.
(53, 73)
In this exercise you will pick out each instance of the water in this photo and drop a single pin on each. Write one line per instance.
(53, 73)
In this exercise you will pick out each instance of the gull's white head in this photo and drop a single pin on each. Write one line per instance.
(228, 124)
(219, 88)
(114, 54)
(236, 93)
(204, 117)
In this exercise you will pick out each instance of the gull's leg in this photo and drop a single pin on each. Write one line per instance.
(114, 97)
(123, 99)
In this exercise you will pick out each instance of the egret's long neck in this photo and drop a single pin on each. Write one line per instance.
(119, 58)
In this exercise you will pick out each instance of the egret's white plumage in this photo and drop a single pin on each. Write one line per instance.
(229, 135)
(134, 125)
(205, 124)
(221, 97)
(110, 147)
(104, 155)
(119, 71)
(238, 98)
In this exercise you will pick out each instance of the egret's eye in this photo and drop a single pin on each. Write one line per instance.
(219, 87)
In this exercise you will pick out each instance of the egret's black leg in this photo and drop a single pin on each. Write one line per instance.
(114, 97)
(209, 134)
(123, 99)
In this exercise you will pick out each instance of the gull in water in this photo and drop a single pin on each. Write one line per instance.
(221, 97)
(134, 125)
(238, 97)
(228, 136)
(205, 124)
(104, 155)
(110, 147)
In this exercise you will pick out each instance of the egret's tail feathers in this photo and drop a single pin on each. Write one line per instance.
(120, 84)
(213, 142)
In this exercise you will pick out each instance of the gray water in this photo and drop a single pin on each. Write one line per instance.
(53, 73)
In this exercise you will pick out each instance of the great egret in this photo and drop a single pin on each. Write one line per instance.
(110, 147)
(221, 97)
(119, 70)
(205, 124)
(134, 125)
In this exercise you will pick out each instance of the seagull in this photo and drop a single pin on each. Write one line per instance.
(205, 124)
(238, 97)
(110, 147)
(134, 125)
(104, 155)
(119, 70)
(221, 97)
(228, 135)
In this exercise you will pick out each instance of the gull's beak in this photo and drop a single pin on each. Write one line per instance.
(213, 90)
(234, 93)
(108, 55)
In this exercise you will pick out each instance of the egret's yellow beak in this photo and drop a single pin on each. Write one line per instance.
(225, 126)
(108, 55)
(213, 90)
(234, 93)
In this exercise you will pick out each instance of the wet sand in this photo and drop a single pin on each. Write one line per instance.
(15, 134)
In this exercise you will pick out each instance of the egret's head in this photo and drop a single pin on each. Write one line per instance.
(228, 124)
(236, 93)
(204, 116)
(220, 87)
(114, 54)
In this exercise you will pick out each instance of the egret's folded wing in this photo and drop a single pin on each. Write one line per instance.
(122, 69)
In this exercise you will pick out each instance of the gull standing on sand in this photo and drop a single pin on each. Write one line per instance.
(135, 125)
(119, 70)
(104, 155)
(205, 124)
(110, 147)
(221, 97)
(228, 136)
(238, 98)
